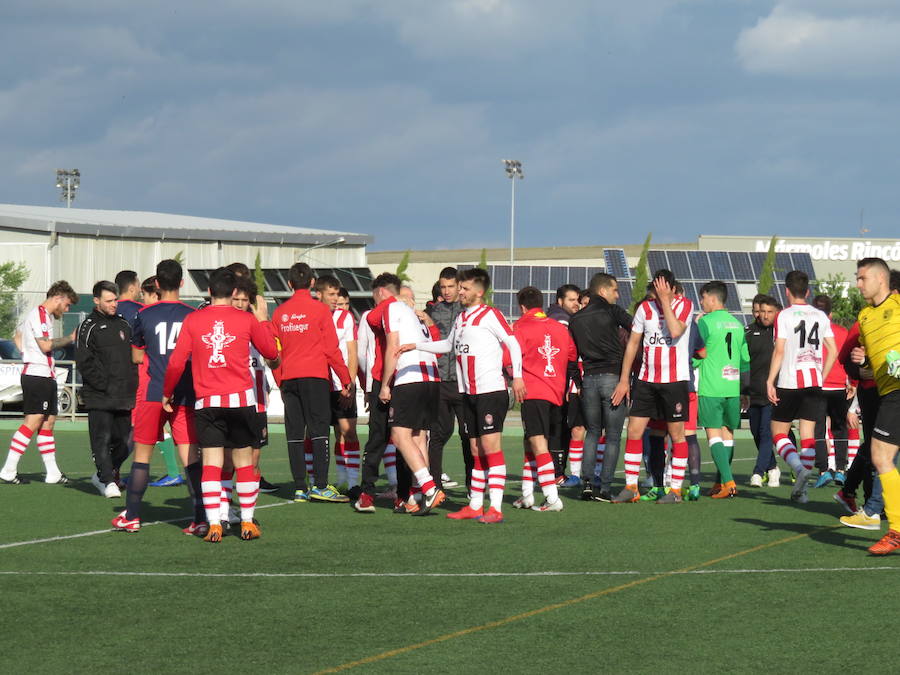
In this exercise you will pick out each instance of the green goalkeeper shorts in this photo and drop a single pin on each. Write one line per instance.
(715, 412)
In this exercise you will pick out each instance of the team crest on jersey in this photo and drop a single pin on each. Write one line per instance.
(489, 420)
(284, 317)
(547, 352)
(218, 339)
(391, 412)
(888, 313)
(678, 408)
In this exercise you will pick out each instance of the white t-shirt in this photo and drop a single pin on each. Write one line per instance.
(415, 365)
(38, 323)
(665, 359)
(803, 329)
(346, 332)
(365, 350)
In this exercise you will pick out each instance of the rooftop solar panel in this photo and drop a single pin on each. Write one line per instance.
(558, 277)
(540, 277)
(757, 260)
(521, 277)
(625, 297)
(656, 260)
(804, 263)
(721, 266)
(591, 271)
(699, 264)
(733, 301)
(616, 263)
(740, 264)
(501, 277)
(577, 276)
(678, 263)
(783, 265)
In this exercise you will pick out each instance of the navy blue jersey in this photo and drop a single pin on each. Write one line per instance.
(156, 330)
(128, 310)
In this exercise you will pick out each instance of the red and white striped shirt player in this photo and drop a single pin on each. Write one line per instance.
(38, 324)
(365, 349)
(804, 329)
(664, 359)
(415, 365)
(346, 332)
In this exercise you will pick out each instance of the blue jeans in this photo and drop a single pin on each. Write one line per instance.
(599, 415)
(761, 428)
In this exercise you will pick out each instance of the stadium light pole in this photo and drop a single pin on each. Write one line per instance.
(513, 170)
(68, 181)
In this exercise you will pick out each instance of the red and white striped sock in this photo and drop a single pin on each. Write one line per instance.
(340, 462)
(47, 445)
(547, 477)
(601, 452)
(576, 454)
(634, 453)
(832, 458)
(227, 489)
(247, 485)
(529, 469)
(679, 464)
(808, 453)
(852, 445)
(476, 491)
(17, 446)
(787, 451)
(211, 491)
(425, 481)
(308, 458)
(496, 479)
(390, 462)
(351, 461)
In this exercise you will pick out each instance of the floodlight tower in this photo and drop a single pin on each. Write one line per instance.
(68, 181)
(513, 170)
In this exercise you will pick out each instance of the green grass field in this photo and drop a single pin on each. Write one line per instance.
(745, 584)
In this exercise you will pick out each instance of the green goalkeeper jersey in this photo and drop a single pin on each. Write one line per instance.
(726, 355)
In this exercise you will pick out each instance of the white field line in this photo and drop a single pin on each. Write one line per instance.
(341, 575)
(46, 540)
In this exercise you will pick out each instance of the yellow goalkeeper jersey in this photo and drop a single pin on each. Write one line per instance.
(879, 333)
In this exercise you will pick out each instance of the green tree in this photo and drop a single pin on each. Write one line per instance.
(641, 274)
(12, 276)
(402, 267)
(258, 277)
(767, 274)
(179, 258)
(483, 264)
(846, 300)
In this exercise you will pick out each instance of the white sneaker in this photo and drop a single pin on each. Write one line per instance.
(756, 480)
(111, 491)
(524, 502)
(101, 488)
(546, 506)
(448, 482)
(774, 477)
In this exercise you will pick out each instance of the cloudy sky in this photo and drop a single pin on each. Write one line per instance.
(390, 117)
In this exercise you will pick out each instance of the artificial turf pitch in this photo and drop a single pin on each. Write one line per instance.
(734, 585)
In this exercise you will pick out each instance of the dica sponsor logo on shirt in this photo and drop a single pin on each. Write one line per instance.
(660, 340)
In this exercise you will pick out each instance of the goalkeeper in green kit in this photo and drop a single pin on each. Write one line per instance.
(720, 363)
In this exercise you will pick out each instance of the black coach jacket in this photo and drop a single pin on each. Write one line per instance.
(761, 345)
(103, 356)
(595, 330)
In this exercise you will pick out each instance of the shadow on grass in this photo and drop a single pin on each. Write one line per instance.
(833, 535)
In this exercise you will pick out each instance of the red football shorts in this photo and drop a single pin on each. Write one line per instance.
(690, 423)
(149, 418)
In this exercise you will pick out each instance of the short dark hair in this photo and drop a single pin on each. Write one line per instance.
(566, 288)
(778, 305)
(222, 283)
(101, 286)
(822, 302)
(600, 280)
(476, 274)
(874, 262)
(530, 298)
(665, 274)
(168, 275)
(895, 280)
(245, 285)
(344, 293)
(327, 281)
(759, 298)
(239, 269)
(63, 288)
(300, 276)
(448, 273)
(797, 282)
(436, 289)
(124, 279)
(149, 285)
(768, 300)
(387, 280)
(678, 288)
(583, 294)
(717, 288)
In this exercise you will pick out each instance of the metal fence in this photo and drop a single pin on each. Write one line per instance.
(67, 391)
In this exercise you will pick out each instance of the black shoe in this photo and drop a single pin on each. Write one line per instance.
(226, 528)
(266, 486)
(603, 496)
(587, 492)
(16, 480)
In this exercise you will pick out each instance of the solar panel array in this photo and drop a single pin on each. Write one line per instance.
(738, 266)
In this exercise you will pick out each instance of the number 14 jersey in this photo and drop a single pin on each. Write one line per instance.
(156, 331)
(803, 329)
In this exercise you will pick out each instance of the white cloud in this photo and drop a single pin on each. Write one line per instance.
(796, 42)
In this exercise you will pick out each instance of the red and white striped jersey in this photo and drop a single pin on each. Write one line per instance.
(477, 337)
(665, 359)
(365, 350)
(38, 324)
(260, 384)
(803, 329)
(346, 332)
(415, 365)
